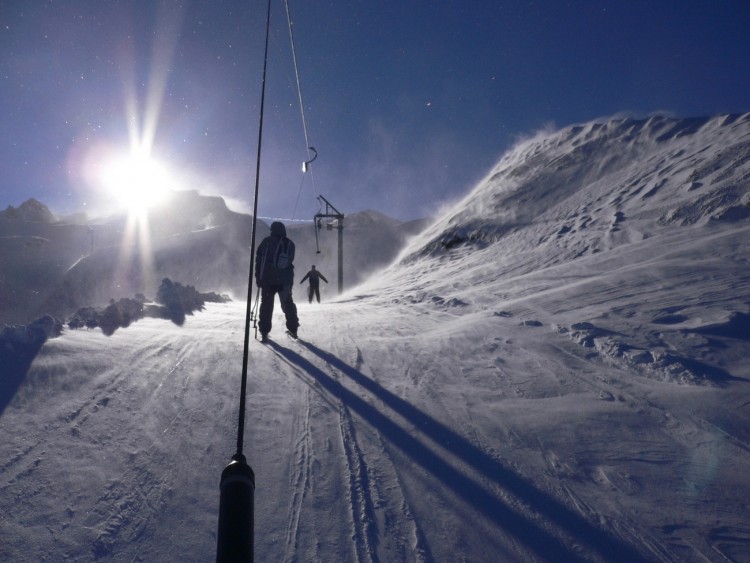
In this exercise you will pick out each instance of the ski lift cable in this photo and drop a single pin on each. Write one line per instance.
(299, 193)
(296, 75)
(245, 353)
(305, 167)
(286, 219)
(235, 539)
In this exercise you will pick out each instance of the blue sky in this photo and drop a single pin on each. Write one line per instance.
(408, 103)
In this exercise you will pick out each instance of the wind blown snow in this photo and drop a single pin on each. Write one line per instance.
(554, 370)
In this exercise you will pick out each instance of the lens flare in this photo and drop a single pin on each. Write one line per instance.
(136, 181)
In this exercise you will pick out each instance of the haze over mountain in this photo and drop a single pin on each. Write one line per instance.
(52, 266)
(554, 369)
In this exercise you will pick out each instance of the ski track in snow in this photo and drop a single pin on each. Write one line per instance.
(126, 440)
(382, 528)
(385, 532)
(300, 484)
(362, 487)
(370, 439)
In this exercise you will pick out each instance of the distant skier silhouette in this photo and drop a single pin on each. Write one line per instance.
(314, 289)
(274, 273)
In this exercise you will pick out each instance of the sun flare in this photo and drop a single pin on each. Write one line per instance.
(137, 181)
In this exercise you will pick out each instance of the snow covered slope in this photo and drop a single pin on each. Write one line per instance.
(555, 370)
(647, 205)
(588, 179)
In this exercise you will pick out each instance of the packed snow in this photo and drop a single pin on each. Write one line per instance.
(554, 370)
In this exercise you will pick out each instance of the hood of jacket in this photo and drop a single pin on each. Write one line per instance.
(278, 229)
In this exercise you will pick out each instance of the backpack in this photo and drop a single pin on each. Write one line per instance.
(275, 265)
(282, 259)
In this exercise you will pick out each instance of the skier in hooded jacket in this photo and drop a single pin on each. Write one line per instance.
(274, 274)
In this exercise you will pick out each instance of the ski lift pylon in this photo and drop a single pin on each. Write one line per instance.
(334, 215)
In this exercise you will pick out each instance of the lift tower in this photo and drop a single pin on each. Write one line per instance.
(332, 213)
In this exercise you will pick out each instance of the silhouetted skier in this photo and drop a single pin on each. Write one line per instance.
(274, 273)
(314, 276)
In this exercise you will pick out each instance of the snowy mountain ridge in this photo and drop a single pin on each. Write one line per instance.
(584, 177)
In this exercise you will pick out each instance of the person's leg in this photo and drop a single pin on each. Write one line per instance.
(289, 308)
(317, 293)
(310, 290)
(267, 296)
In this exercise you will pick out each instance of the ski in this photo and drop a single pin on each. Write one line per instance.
(292, 336)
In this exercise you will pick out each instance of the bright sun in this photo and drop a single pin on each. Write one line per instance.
(136, 181)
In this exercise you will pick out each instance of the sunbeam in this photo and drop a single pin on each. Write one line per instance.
(135, 178)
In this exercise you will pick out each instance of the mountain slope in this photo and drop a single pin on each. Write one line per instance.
(542, 375)
(587, 180)
(646, 200)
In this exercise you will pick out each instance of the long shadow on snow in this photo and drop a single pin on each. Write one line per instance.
(14, 365)
(474, 493)
(19, 345)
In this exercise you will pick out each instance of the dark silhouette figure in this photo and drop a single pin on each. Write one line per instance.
(314, 289)
(274, 273)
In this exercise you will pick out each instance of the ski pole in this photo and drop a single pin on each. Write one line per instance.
(255, 311)
(255, 307)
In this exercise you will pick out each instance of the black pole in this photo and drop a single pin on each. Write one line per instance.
(341, 253)
(235, 540)
(333, 213)
(236, 513)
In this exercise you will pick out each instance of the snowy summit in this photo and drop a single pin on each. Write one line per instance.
(554, 370)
